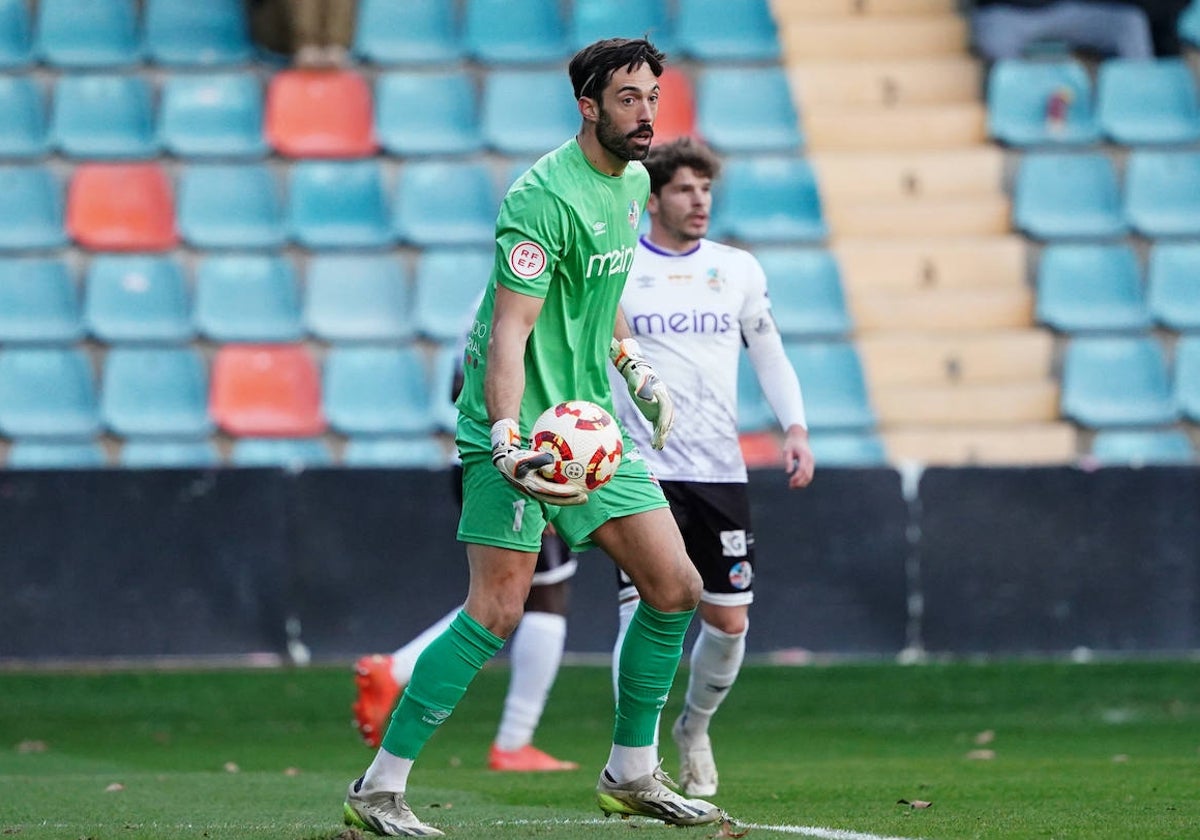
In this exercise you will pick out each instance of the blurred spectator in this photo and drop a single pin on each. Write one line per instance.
(315, 33)
(1005, 28)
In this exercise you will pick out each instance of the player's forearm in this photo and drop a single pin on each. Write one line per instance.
(504, 382)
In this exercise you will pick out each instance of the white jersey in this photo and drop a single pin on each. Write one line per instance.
(686, 310)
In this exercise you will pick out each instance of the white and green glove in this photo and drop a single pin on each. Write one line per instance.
(521, 467)
(649, 393)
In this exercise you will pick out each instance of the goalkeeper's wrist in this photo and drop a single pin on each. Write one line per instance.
(621, 351)
(506, 432)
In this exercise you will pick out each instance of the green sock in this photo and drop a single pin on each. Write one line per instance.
(440, 678)
(649, 659)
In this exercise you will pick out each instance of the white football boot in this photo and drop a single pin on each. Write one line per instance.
(384, 813)
(650, 796)
(697, 769)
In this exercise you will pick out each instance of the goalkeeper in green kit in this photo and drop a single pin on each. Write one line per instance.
(548, 327)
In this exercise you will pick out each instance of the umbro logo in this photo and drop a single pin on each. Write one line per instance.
(599, 227)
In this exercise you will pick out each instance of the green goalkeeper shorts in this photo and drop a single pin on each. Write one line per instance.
(494, 512)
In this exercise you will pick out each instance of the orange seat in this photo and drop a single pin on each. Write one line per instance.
(262, 390)
(320, 113)
(761, 449)
(122, 207)
(676, 107)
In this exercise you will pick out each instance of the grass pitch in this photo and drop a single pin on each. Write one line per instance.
(1002, 751)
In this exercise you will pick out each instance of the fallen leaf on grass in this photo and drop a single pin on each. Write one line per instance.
(114, 787)
(231, 767)
(729, 829)
(291, 771)
(916, 803)
(985, 737)
(981, 755)
(30, 747)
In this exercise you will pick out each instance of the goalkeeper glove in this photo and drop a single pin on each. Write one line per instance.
(648, 391)
(521, 467)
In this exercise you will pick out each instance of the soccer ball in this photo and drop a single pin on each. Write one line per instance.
(585, 441)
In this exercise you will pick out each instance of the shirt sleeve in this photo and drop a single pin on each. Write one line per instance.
(532, 236)
(764, 346)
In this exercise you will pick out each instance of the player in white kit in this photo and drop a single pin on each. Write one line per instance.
(692, 304)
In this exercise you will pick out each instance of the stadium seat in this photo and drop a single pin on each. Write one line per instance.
(338, 204)
(31, 208)
(445, 203)
(427, 113)
(511, 127)
(48, 455)
(377, 391)
(835, 391)
(184, 32)
(515, 31)
(230, 205)
(1188, 25)
(151, 453)
(48, 393)
(766, 199)
(1162, 193)
(16, 35)
(247, 298)
(676, 107)
(320, 114)
(1061, 195)
(718, 30)
(358, 297)
(806, 291)
(121, 207)
(450, 282)
(421, 452)
(1187, 376)
(266, 390)
(155, 392)
(761, 450)
(212, 115)
(87, 33)
(23, 130)
(1173, 281)
(1142, 102)
(1041, 103)
(733, 122)
(1091, 288)
(848, 449)
(1117, 382)
(137, 298)
(592, 20)
(419, 32)
(281, 453)
(1138, 447)
(38, 302)
(98, 116)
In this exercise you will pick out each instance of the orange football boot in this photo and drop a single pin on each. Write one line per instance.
(527, 759)
(378, 692)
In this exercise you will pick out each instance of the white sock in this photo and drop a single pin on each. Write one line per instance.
(625, 611)
(716, 660)
(628, 763)
(387, 772)
(537, 649)
(404, 658)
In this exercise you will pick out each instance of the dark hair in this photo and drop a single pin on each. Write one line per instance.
(593, 66)
(664, 161)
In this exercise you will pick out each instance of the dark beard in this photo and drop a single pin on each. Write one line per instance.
(617, 143)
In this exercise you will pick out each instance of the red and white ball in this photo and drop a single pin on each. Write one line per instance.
(585, 441)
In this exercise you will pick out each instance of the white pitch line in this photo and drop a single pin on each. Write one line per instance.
(803, 830)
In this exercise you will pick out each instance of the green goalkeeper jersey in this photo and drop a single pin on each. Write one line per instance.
(565, 233)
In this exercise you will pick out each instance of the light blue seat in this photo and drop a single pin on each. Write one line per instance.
(137, 298)
(445, 203)
(510, 126)
(768, 199)
(515, 31)
(338, 204)
(358, 297)
(1117, 382)
(1019, 96)
(155, 391)
(427, 113)
(1188, 24)
(1091, 288)
(1187, 376)
(87, 33)
(1140, 102)
(377, 391)
(805, 286)
(413, 32)
(230, 205)
(1138, 447)
(247, 298)
(49, 455)
(450, 282)
(421, 452)
(38, 302)
(1173, 280)
(281, 453)
(1162, 193)
(721, 30)
(835, 391)
(848, 449)
(16, 34)
(23, 129)
(212, 115)
(48, 393)
(1063, 195)
(31, 208)
(592, 20)
(185, 32)
(446, 368)
(733, 121)
(103, 116)
(151, 453)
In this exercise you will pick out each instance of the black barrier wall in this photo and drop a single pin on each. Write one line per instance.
(125, 563)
